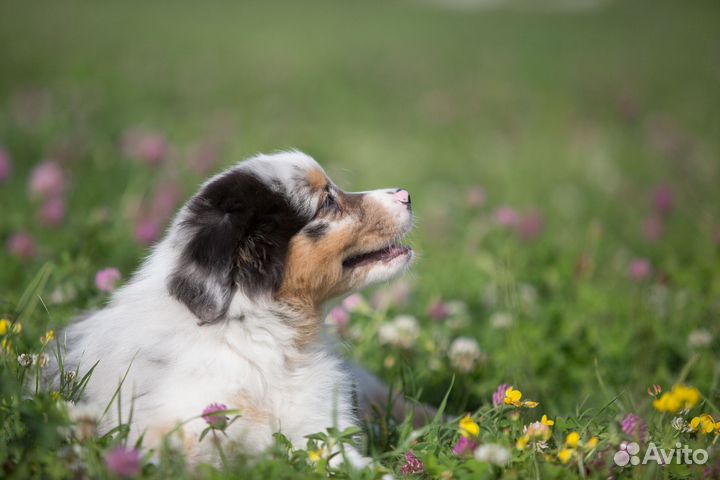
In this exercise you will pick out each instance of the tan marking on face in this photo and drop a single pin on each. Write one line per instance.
(317, 179)
(313, 268)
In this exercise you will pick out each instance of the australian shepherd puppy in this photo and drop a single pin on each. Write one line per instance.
(228, 307)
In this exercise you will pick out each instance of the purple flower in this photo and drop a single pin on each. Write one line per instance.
(640, 269)
(210, 415)
(353, 302)
(149, 147)
(412, 465)
(106, 279)
(663, 200)
(653, 228)
(498, 397)
(21, 245)
(123, 462)
(529, 225)
(506, 216)
(439, 310)
(339, 317)
(5, 165)
(463, 446)
(52, 212)
(47, 180)
(147, 231)
(635, 427)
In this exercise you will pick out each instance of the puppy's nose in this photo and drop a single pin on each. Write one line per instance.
(402, 196)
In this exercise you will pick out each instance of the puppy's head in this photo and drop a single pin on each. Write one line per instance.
(276, 228)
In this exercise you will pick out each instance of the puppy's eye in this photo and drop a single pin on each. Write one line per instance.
(330, 204)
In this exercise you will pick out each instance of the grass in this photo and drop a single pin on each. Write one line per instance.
(579, 115)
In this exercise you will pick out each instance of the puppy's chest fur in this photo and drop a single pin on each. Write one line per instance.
(175, 369)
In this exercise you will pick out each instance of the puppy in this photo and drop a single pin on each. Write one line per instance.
(228, 308)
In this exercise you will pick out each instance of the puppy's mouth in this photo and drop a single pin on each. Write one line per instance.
(384, 255)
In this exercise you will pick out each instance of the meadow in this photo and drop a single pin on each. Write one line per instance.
(563, 161)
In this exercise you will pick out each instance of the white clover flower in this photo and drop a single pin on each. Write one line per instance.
(465, 354)
(493, 454)
(388, 334)
(501, 320)
(69, 376)
(403, 332)
(25, 360)
(679, 424)
(699, 338)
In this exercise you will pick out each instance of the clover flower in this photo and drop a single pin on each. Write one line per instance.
(464, 445)
(338, 317)
(681, 397)
(475, 197)
(412, 464)
(439, 310)
(663, 200)
(86, 419)
(507, 216)
(512, 397)
(211, 415)
(106, 279)
(354, 302)
(640, 269)
(149, 147)
(465, 354)
(21, 245)
(123, 462)
(493, 454)
(25, 360)
(699, 338)
(403, 332)
(498, 397)
(536, 434)
(147, 231)
(635, 427)
(53, 211)
(47, 180)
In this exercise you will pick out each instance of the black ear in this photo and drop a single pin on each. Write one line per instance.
(238, 229)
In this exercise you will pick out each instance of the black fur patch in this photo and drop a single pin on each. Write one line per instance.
(315, 232)
(239, 229)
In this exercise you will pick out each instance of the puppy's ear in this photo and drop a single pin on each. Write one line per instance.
(238, 229)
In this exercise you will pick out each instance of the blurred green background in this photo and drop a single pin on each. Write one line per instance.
(576, 111)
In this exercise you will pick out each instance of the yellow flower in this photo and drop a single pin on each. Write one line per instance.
(566, 454)
(522, 442)
(315, 455)
(47, 338)
(4, 326)
(545, 421)
(6, 344)
(468, 427)
(572, 440)
(55, 395)
(704, 423)
(512, 397)
(681, 397)
(17, 328)
(592, 443)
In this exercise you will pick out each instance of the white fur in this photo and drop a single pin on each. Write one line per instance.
(175, 367)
